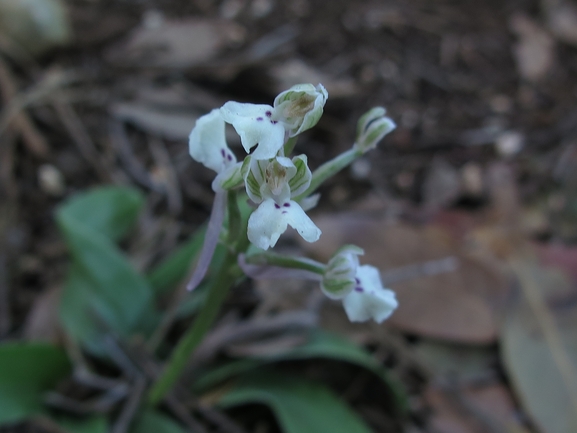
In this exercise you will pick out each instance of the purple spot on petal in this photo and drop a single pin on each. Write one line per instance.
(268, 114)
(229, 157)
(259, 118)
(357, 281)
(359, 289)
(287, 205)
(222, 152)
(284, 211)
(274, 122)
(277, 206)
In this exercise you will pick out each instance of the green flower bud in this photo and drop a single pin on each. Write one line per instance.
(372, 127)
(300, 107)
(339, 278)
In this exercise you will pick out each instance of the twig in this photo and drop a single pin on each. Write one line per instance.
(425, 269)
(164, 163)
(32, 139)
(123, 147)
(255, 328)
(129, 410)
(81, 138)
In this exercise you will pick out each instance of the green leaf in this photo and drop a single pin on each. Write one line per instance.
(176, 267)
(155, 422)
(108, 211)
(300, 406)
(320, 345)
(26, 372)
(104, 293)
(95, 424)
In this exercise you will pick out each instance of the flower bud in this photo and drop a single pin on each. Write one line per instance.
(372, 127)
(300, 107)
(339, 278)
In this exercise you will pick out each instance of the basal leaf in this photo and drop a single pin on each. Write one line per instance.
(26, 372)
(103, 292)
(300, 406)
(155, 422)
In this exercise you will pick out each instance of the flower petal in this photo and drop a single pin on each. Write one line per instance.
(254, 125)
(207, 143)
(265, 225)
(296, 217)
(369, 300)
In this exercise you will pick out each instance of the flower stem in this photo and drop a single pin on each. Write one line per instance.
(225, 277)
(329, 169)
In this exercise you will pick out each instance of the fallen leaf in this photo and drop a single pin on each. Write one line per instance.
(561, 19)
(43, 322)
(175, 43)
(539, 346)
(455, 306)
(157, 121)
(534, 51)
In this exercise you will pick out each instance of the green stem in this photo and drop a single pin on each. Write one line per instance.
(287, 262)
(180, 356)
(226, 276)
(329, 169)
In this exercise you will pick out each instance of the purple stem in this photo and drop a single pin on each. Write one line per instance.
(210, 239)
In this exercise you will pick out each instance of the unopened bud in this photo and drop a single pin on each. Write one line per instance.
(339, 278)
(300, 107)
(372, 127)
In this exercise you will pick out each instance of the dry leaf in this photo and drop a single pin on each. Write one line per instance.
(43, 322)
(456, 306)
(534, 51)
(539, 341)
(175, 43)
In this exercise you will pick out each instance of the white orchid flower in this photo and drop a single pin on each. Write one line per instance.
(369, 299)
(273, 183)
(207, 145)
(255, 125)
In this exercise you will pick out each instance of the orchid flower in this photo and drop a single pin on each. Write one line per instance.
(207, 145)
(369, 299)
(294, 111)
(272, 183)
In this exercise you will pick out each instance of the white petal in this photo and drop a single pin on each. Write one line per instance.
(254, 125)
(265, 225)
(296, 217)
(369, 300)
(207, 143)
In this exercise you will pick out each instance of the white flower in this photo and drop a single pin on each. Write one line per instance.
(369, 299)
(207, 145)
(273, 183)
(340, 276)
(300, 107)
(256, 126)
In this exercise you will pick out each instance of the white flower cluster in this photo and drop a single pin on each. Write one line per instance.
(271, 179)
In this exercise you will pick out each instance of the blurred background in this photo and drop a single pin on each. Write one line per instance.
(469, 207)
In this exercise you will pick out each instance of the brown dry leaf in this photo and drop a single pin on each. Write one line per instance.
(534, 51)
(484, 409)
(539, 340)
(175, 43)
(156, 120)
(562, 19)
(296, 71)
(43, 323)
(456, 306)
